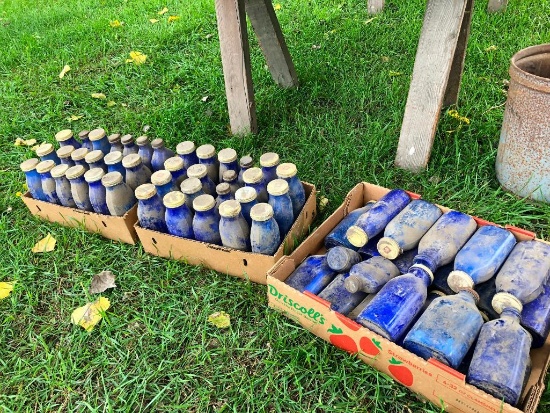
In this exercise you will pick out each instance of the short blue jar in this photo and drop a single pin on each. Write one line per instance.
(163, 182)
(227, 159)
(160, 154)
(150, 210)
(207, 157)
(200, 171)
(113, 161)
(48, 183)
(231, 178)
(175, 166)
(247, 197)
(83, 136)
(99, 141)
(281, 203)
(145, 150)
(78, 157)
(254, 178)
(46, 152)
(114, 141)
(96, 191)
(65, 138)
(246, 162)
(186, 151)
(128, 145)
(192, 188)
(136, 173)
(64, 155)
(269, 162)
(288, 172)
(62, 185)
(79, 187)
(223, 191)
(94, 159)
(32, 177)
(206, 222)
(264, 232)
(234, 231)
(178, 217)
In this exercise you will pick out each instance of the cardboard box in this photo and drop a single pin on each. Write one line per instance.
(442, 385)
(112, 227)
(226, 260)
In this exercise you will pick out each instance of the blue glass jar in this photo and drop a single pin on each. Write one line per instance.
(94, 159)
(341, 259)
(113, 161)
(64, 155)
(264, 232)
(288, 172)
(246, 162)
(136, 173)
(79, 187)
(247, 197)
(186, 151)
(65, 138)
(312, 274)
(63, 186)
(78, 156)
(145, 151)
(206, 222)
(373, 222)
(200, 172)
(371, 275)
(337, 237)
(230, 177)
(340, 299)
(535, 317)
(281, 203)
(97, 192)
(150, 210)
(269, 162)
(32, 177)
(227, 159)
(192, 188)
(234, 231)
(99, 141)
(178, 217)
(48, 183)
(163, 181)
(352, 315)
(115, 142)
(175, 166)
(224, 193)
(254, 178)
(119, 196)
(405, 260)
(207, 157)
(128, 145)
(46, 153)
(160, 154)
(83, 136)
(403, 233)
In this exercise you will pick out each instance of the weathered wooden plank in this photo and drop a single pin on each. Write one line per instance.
(375, 6)
(271, 39)
(235, 55)
(497, 5)
(432, 67)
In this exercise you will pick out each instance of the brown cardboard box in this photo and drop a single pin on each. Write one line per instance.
(115, 228)
(442, 385)
(226, 260)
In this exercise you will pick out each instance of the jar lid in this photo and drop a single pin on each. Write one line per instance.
(79, 154)
(114, 138)
(269, 159)
(227, 155)
(94, 156)
(173, 199)
(83, 134)
(63, 135)
(161, 177)
(44, 149)
(286, 170)
(277, 187)
(425, 269)
(229, 176)
(59, 170)
(504, 300)
(131, 160)
(459, 280)
(29, 164)
(94, 175)
(204, 202)
(157, 143)
(261, 212)
(206, 151)
(65, 151)
(388, 248)
(175, 163)
(113, 157)
(126, 139)
(197, 171)
(223, 188)
(252, 175)
(185, 148)
(191, 186)
(246, 194)
(229, 209)
(356, 236)
(145, 191)
(111, 179)
(75, 172)
(142, 140)
(96, 134)
(45, 166)
(246, 161)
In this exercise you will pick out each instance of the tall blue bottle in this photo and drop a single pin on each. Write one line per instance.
(246, 162)
(78, 157)
(337, 237)
(269, 162)
(186, 151)
(62, 185)
(94, 159)
(281, 203)
(178, 217)
(136, 173)
(160, 154)
(288, 172)
(46, 152)
(83, 136)
(234, 230)
(227, 159)
(247, 197)
(99, 141)
(128, 145)
(119, 196)
(192, 188)
(341, 259)
(207, 157)
(175, 166)
(48, 183)
(230, 177)
(264, 232)
(34, 184)
(163, 182)
(79, 187)
(150, 210)
(339, 297)
(206, 222)
(200, 171)
(64, 155)
(65, 138)
(116, 144)
(254, 178)
(535, 317)
(145, 150)
(97, 192)
(313, 274)
(224, 193)
(113, 161)
(371, 275)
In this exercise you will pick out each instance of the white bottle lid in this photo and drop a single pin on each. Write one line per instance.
(389, 248)
(504, 300)
(459, 280)
(356, 236)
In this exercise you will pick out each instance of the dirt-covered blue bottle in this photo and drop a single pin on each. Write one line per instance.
(163, 182)
(254, 178)
(223, 192)
(94, 159)
(230, 177)
(145, 150)
(99, 141)
(97, 192)
(84, 138)
(337, 237)
(128, 145)
(64, 154)
(206, 222)
(264, 232)
(78, 156)
(62, 185)
(339, 297)
(200, 171)
(175, 166)
(371, 275)
(114, 141)
(79, 187)
(247, 197)
(313, 273)
(535, 317)
(246, 162)
(136, 173)
(119, 196)
(269, 162)
(192, 188)
(150, 209)
(234, 230)
(113, 161)
(46, 152)
(160, 154)
(281, 203)
(187, 152)
(178, 217)
(341, 259)
(65, 137)
(289, 173)
(48, 183)
(32, 177)
(207, 157)
(227, 159)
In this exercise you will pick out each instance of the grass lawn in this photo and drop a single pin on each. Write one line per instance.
(155, 350)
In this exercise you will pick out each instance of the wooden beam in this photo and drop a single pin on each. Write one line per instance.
(375, 6)
(266, 26)
(497, 5)
(235, 55)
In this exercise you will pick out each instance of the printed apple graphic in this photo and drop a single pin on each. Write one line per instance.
(400, 373)
(370, 346)
(341, 340)
(352, 325)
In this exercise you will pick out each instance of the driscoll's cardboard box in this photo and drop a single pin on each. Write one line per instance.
(112, 227)
(227, 260)
(442, 385)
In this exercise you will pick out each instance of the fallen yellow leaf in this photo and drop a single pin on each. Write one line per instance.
(393, 74)
(99, 96)
(323, 202)
(115, 23)
(491, 48)
(111, 103)
(277, 6)
(173, 18)
(90, 314)
(74, 117)
(137, 58)
(19, 194)
(18, 142)
(220, 319)
(66, 68)
(454, 114)
(160, 13)
(23, 142)
(46, 244)
(29, 142)
(5, 289)
(154, 20)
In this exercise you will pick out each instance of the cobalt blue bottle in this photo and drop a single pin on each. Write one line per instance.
(405, 260)
(115, 142)
(227, 159)
(128, 145)
(78, 157)
(145, 150)
(136, 173)
(339, 297)
(150, 210)
(207, 157)
(338, 235)
(62, 185)
(83, 136)
(163, 182)
(64, 155)
(178, 217)
(65, 137)
(186, 151)
(312, 274)
(200, 171)
(175, 166)
(269, 162)
(79, 187)
(371, 275)
(99, 141)
(282, 205)
(192, 188)
(246, 162)
(253, 178)
(46, 153)
(341, 259)
(94, 159)
(535, 317)
(230, 177)
(34, 184)
(48, 183)
(224, 193)
(373, 222)
(288, 172)
(247, 197)
(206, 222)
(113, 161)
(119, 196)
(234, 231)
(160, 154)
(97, 192)
(264, 232)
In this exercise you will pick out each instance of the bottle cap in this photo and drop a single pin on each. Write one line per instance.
(261, 212)
(230, 209)
(94, 175)
(173, 199)
(175, 163)
(473, 293)
(223, 188)
(185, 148)
(45, 166)
(63, 135)
(126, 139)
(142, 140)
(252, 175)
(93, 156)
(79, 154)
(246, 161)
(83, 134)
(246, 194)
(145, 191)
(161, 177)
(356, 236)
(459, 280)
(206, 151)
(59, 170)
(425, 269)
(75, 172)
(353, 284)
(191, 186)
(389, 248)
(114, 138)
(204, 202)
(227, 155)
(277, 187)
(29, 164)
(229, 176)
(96, 134)
(286, 170)
(113, 157)
(197, 171)
(44, 149)
(131, 160)
(111, 179)
(65, 151)
(504, 300)
(157, 143)
(269, 159)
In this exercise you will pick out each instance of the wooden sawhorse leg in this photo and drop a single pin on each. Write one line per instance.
(497, 5)
(436, 78)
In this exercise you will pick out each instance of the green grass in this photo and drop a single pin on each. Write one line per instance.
(155, 351)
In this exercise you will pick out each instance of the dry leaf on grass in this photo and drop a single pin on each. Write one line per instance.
(137, 58)
(74, 117)
(160, 13)
(102, 281)
(46, 244)
(153, 21)
(23, 142)
(99, 95)
(111, 103)
(173, 18)
(220, 319)
(89, 315)
(66, 68)
(5, 289)
(115, 24)
(323, 202)
(277, 6)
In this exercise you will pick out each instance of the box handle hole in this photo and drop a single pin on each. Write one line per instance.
(104, 224)
(37, 207)
(245, 262)
(154, 241)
